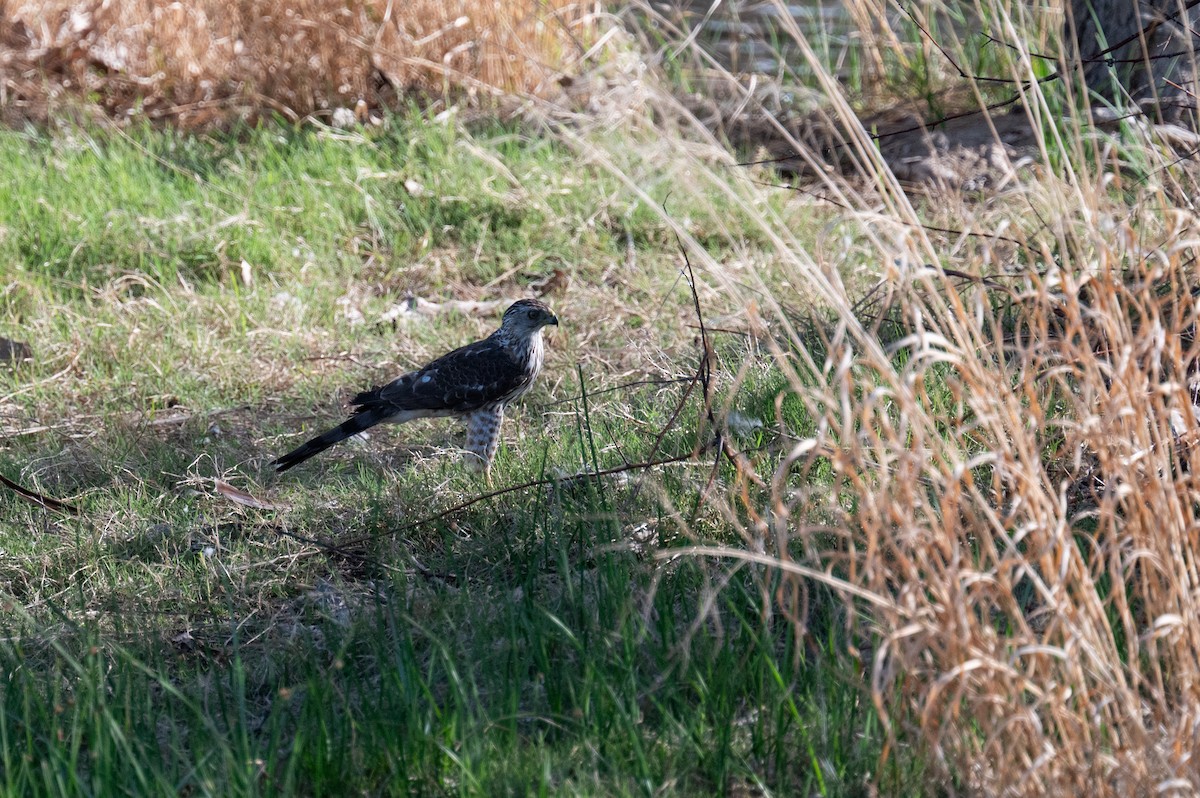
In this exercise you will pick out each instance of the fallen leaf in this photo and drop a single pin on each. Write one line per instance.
(241, 497)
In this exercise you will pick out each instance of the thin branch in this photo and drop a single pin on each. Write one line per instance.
(916, 225)
(1015, 48)
(704, 374)
(621, 387)
(784, 565)
(40, 499)
(961, 72)
(533, 483)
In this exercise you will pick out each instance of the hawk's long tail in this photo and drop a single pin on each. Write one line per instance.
(363, 419)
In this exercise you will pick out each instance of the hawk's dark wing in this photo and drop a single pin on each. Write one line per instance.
(466, 379)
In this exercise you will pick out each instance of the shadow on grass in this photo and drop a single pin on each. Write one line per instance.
(561, 664)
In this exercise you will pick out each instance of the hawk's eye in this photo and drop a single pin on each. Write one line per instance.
(532, 314)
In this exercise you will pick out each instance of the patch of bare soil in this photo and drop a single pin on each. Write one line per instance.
(969, 151)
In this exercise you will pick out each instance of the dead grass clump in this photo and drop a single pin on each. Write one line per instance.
(1042, 636)
(1002, 487)
(201, 63)
(1012, 485)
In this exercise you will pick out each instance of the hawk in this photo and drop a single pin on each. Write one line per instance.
(475, 381)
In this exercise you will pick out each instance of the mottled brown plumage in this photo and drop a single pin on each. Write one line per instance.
(475, 381)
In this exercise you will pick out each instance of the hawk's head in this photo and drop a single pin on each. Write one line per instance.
(526, 316)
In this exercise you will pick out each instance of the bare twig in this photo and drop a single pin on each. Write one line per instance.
(784, 565)
(704, 375)
(903, 222)
(40, 499)
(621, 387)
(533, 483)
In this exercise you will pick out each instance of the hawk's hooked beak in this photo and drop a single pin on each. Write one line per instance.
(553, 320)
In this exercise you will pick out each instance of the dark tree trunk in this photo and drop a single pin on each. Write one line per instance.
(1137, 53)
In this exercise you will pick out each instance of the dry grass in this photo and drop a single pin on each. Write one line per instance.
(202, 63)
(1001, 487)
(1011, 487)
(222, 310)
(995, 472)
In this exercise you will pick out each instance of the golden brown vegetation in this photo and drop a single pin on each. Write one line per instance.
(1012, 491)
(995, 464)
(1013, 517)
(206, 62)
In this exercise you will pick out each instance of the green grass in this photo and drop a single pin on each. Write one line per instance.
(197, 306)
(551, 681)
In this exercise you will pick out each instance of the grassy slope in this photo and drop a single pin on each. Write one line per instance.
(169, 639)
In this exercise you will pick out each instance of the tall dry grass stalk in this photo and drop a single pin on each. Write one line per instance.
(1011, 483)
(203, 62)
(1014, 516)
(1012, 488)
(1012, 520)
